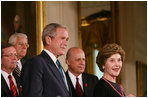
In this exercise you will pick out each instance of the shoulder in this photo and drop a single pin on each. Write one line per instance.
(33, 60)
(89, 76)
(101, 82)
(101, 89)
(37, 59)
(33, 63)
(102, 85)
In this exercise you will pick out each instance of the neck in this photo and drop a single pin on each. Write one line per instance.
(18, 58)
(110, 78)
(75, 74)
(50, 50)
(7, 71)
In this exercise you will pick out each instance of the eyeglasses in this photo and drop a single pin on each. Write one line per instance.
(22, 44)
(10, 55)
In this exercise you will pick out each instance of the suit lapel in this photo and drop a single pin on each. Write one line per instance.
(18, 82)
(5, 92)
(54, 69)
(85, 84)
(71, 85)
(22, 62)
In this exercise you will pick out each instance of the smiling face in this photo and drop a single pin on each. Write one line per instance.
(58, 44)
(76, 61)
(113, 66)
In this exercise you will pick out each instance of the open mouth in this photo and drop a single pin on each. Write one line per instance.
(116, 69)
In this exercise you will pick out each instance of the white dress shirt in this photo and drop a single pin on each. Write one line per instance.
(5, 75)
(19, 64)
(73, 79)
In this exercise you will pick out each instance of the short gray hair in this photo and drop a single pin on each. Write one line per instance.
(50, 30)
(12, 38)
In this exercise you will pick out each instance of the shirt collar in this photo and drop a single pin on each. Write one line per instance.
(51, 55)
(5, 74)
(19, 61)
(19, 64)
(73, 76)
(73, 79)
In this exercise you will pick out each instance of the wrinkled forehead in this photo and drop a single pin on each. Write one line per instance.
(21, 39)
(9, 50)
(77, 54)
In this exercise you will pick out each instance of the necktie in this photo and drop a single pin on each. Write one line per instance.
(60, 68)
(18, 71)
(79, 89)
(61, 72)
(12, 87)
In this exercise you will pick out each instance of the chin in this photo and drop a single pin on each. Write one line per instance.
(82, 71)
(116, 75)
(62, 53)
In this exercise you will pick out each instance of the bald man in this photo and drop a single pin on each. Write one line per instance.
(75, 59)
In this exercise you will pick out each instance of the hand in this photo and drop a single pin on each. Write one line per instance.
(130, 95)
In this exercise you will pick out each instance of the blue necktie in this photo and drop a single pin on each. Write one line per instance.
(60, 69)
(61, 72)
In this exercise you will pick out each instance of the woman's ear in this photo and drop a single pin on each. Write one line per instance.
(103, 67)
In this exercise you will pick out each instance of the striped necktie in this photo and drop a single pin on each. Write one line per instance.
(17, 69)
(12, 87)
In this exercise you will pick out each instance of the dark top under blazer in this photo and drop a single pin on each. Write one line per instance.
(42, 78)
(89, 83)
(5, 91)
(103, 89)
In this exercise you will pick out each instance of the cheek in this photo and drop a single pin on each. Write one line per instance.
(7, 64)
(57, 44)
(120, 65)
(62, 42)
(18, 49)
(108, 67)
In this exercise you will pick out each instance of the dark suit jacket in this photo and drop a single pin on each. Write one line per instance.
(5, 91)
(42, 78)
(89, 83)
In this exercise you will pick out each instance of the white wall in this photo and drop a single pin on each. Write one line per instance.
(65, 13)
(133, 36)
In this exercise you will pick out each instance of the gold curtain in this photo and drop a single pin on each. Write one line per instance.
(95, 36)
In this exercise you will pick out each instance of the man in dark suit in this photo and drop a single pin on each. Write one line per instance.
(10, 83)
(20, 42)
(43, 75)
(82, 84)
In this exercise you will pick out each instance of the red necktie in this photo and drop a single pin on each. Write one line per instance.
(79, 89)
(12, 87)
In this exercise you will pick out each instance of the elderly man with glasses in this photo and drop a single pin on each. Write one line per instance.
(20, 42)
